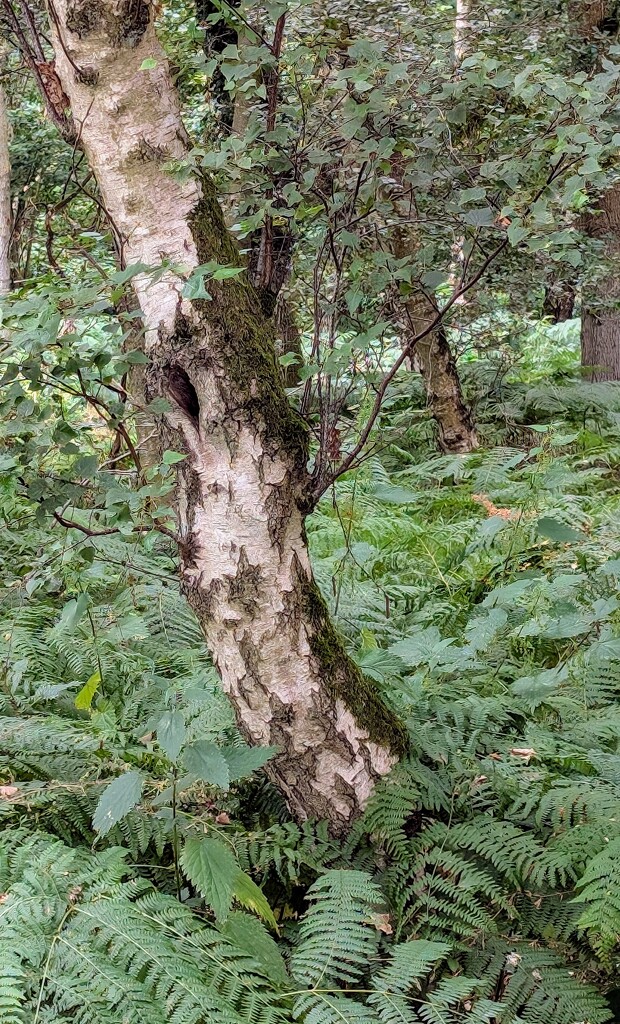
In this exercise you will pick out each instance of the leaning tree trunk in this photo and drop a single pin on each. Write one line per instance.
(241, 492)
(432, 357)
(5, 198)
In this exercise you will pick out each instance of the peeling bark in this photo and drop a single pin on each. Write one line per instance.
(5, 198)
(241, 492)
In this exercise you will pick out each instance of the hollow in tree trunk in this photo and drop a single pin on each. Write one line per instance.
(242, 488)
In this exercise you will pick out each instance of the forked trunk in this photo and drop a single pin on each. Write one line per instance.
(242, 488)
(5, 197)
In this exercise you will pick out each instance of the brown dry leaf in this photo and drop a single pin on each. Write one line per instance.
(6, 792)
(382, 923)
(222, 818)
(525, 753)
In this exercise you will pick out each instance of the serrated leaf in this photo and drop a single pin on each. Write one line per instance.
(85, 696)
(250, 896)
(207, 762)
(482, 217)
(117, 799)
(242, 761)
(213, 870)
(171, 733)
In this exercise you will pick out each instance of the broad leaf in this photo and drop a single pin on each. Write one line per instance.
(116, 801)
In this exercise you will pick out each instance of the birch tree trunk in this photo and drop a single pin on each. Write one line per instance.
(432, 357)
(5, 197)
(241, 491)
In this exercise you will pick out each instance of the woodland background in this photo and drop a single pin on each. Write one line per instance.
(426, 206)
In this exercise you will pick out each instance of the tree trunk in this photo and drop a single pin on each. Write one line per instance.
(5, 198)
(432, 357)
(559, 301)
(600, 315)
(241, 491)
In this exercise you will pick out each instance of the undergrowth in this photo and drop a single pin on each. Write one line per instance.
(149, 873)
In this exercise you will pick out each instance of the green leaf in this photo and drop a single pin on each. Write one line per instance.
(116, 801)
(73, 612)
(148, 64)
(169, 458)
(223, 273)
(213, 871)
(480, 218)
(250, 935)
(557, 531)
(207, 762)
(249, 895)
(396, 494)
(171, 733)
(243, 760)
(84, 698)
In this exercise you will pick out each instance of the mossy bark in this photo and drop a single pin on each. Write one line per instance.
(242, 488)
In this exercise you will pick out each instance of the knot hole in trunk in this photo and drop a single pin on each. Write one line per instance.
(183, 392)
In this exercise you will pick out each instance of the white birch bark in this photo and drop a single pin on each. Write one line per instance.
(241, 489)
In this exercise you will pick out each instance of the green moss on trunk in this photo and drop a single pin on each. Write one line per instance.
(244, 341)
(345, 682)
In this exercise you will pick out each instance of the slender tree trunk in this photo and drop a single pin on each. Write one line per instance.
(559, 301)
(5, 197)
(241, 493)
(432, 357)
(600, 315)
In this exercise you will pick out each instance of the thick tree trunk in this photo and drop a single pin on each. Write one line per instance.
(600, 315)
(242, 487)
(5, 198)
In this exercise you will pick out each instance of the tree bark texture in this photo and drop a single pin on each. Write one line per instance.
(241, 491)
(559, 301)
(5, 198)
(432, 357)
(600, 315)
